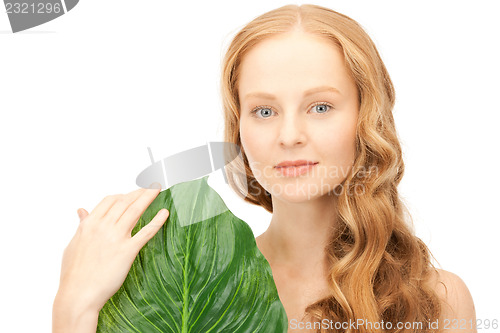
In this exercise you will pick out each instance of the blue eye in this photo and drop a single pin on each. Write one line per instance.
(266, 111)
(322, 108)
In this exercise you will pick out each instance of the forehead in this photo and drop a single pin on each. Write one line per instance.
(293, 62)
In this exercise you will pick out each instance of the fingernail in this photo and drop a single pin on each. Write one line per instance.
(163, 213)
(155, 185)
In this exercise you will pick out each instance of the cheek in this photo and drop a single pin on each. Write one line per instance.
(251, 141)
(338, 142)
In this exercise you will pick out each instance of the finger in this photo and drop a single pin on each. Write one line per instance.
(121, 205)
(105, 205)
(102, 208)
(149, 230)
(130, 217)
(82, 213)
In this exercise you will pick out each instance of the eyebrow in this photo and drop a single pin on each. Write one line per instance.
(306, 93)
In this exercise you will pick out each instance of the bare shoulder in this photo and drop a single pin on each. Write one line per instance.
(457, 303)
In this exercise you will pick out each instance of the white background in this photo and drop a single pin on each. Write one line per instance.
(83, 96)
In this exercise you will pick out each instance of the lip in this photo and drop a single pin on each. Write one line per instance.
(296, 163)
(294, 171)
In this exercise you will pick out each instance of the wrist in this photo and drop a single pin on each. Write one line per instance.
(78, 301)
(76, 322)
(71, 316)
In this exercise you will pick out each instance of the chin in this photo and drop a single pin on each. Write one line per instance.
(295, 192)
(302, 192)
(299, 198)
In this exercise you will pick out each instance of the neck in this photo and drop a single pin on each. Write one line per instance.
(299, 232)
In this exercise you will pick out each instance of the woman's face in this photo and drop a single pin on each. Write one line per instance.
(298, 102)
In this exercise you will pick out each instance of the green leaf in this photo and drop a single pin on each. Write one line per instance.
(202, 272)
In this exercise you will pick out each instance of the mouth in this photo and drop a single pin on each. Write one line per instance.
(298, 163)
(295, 168)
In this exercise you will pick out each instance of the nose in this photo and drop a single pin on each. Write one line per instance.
(292, 131)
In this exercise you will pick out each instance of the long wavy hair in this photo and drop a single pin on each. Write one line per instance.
(378, 269)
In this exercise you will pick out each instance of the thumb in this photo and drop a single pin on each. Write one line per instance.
(82, 213)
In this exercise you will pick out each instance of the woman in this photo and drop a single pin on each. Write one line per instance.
(300, 86)
(307, 83)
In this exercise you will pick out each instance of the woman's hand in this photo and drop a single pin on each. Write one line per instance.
(100, 255)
